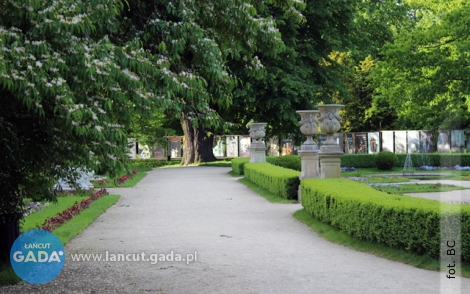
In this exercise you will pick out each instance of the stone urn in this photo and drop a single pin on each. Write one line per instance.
(329, 124)
(309, 127)
(258, 147)
(257, 132)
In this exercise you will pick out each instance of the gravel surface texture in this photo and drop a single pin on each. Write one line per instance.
(244, 244)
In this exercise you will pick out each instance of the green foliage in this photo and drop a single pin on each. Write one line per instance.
(301, 75)
(278, 180)
(402, 222)
(385, 160)
(358, 160)
(238, 165)
(73, 77)
(288, 161)
(424, 73)
(154, 163)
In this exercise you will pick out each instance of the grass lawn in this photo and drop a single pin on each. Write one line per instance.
(64, 233)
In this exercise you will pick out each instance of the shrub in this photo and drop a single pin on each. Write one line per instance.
(385, 160)
(288, 161)
(358, 160)
(402, 222)
(153, 163)
(238, 165)
(278, 180)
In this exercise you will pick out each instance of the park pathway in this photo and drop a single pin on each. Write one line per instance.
(244, 244)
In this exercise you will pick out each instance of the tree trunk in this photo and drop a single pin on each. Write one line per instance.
(197, 145)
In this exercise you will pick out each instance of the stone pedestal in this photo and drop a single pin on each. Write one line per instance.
(309, 164)
(330, 165)
(258, 152)
(258, 147)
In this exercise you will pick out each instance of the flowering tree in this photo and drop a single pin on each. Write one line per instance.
(74, 73)
(194, 41)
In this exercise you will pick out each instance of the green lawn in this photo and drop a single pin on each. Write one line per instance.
(64, 233)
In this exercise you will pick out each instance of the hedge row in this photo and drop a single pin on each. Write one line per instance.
(364, 160)
(153, 163)
(238, 163)
(418, 159)
(288, 161)
(278, 180)
(403, 222)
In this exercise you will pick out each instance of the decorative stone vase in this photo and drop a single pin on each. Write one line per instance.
(257, 132)
(309, 127)
(258, 147)
(329, 124)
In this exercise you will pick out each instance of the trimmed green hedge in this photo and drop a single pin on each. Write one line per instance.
(239, 162)
(402, 222)
(153, 163)
(278, 180)
(288, 161)
(418, 159)
(358, 160)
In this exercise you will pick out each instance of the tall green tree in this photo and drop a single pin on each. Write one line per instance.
(425, 72)
(194, 41)
(302, 75)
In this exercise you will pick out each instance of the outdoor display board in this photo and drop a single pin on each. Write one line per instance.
(443, 142)
(175, 146)
(349, 146)
(457, 141)
(287, 147)
(132, 148)
(360, 143)
(143, 151)
(158, 152)
(232, 146)
(219, 147)
(388, 143)
(374, 142)
(244, 146)
(273, 146)
(413, 141)
(427, 142)
(400, 142)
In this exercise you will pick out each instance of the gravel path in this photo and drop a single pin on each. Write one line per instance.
(244, 244)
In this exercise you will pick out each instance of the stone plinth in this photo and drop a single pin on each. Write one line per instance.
(330, 165)
(258, 152)
(258, 147)
(309, 164)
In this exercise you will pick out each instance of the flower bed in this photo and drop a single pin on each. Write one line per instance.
(31, 207)
(56, 221)
(457, 167)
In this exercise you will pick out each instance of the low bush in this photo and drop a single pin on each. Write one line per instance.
(278, 180)
(288, 161)
(358, 160)
(385, 160)
(153, 163)
(403, 222)
(238, 163)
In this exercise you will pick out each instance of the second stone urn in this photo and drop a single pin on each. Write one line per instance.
(309, 149)
(258, 147)
(329, 124)
(309, 127)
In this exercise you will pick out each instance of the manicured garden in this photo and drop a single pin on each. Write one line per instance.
(365, 209)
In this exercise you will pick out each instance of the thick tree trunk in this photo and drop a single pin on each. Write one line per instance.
(197, 146)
